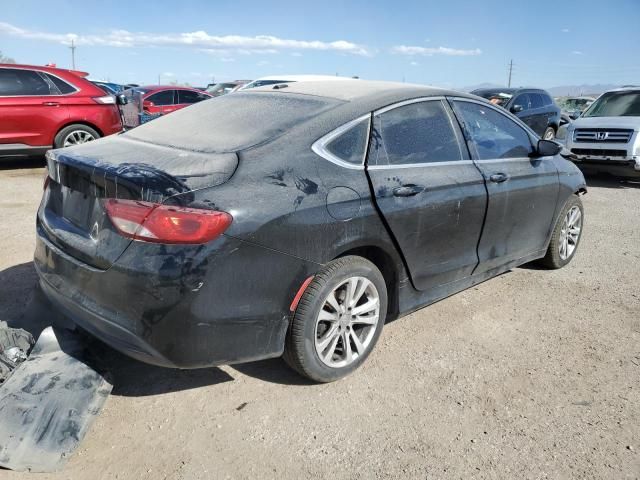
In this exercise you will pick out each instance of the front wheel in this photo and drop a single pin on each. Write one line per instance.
(338, 320)
(566, 235)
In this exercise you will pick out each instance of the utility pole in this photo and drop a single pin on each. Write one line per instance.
(73, 54)
(510, 71)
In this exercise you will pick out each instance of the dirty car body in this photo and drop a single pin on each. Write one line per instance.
(304, 174)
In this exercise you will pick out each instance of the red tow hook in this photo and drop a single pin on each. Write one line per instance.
(296, 299)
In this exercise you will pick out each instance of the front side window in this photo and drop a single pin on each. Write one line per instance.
(493, 134)
(523, 101)
(162, 98)
(536, 100)
(615, 104)
(412, 134)
(15, 82)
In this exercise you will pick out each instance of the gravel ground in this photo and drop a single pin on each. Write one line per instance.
(534, 374)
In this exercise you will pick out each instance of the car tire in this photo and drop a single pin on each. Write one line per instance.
(75, 134)
(549, 133)
(564, 243)
(315, 345)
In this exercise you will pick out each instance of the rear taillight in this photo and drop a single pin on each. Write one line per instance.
(106, 100)
(153, 222)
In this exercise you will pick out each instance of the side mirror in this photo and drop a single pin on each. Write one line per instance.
(575, 114)
(147, 104)
(547, 148)
(517, 109)
(122, 99)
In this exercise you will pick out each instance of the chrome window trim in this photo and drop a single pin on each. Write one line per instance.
(41, 72)
(406, 102)
(320, 146)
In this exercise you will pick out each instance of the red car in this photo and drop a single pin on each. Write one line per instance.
(158, 100)
(45, 107)
(167, 99)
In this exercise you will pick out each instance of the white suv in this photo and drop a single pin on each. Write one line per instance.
(606, 136)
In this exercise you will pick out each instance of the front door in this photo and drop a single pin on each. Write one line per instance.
(522, 190)
(431, 195)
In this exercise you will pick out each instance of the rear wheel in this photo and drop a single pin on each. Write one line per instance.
(75, 135)
(549, 133)
(338, 320)
(566, 235)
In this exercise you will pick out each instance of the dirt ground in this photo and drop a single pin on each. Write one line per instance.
(534, 374)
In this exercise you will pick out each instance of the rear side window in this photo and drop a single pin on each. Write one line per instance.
(63, 87)
(162, 98)
(414, 134)
(188, 96)
(493, 134)
(15, 82)
(546, 99)
(350, 146)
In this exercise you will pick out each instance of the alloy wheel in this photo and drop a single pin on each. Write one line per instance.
(570, 232)
(77, 137)
(347, 321)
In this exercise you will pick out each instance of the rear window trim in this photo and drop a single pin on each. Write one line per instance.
(320, 146)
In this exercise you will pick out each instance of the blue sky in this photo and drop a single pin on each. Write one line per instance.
(447, 43)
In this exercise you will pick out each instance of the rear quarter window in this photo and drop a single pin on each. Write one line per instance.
(351, 145)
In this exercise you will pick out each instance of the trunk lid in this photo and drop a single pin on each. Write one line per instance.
(72, 216)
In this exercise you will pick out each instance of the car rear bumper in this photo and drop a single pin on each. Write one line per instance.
(150, 307)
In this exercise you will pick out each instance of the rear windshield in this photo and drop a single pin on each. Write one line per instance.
(232, 122)
(615, 104)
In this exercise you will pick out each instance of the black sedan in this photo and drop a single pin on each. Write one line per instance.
(295, 220)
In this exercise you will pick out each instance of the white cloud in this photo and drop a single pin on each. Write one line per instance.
(565, 30)
(428, 51)
(199, 39)
(577, 52)
(414, 64)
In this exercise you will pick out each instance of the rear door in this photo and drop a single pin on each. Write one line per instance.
(539, 114)
(30, 109)
(523, 191)
(431, 195)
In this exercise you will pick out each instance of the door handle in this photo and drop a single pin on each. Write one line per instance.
(50, 104)
(408, 190)
(499, 177)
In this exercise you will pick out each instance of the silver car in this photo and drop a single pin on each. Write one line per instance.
(606, 136)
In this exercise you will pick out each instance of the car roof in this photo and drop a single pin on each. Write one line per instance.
(157, 88)
(20, 66)
(509, 90)
(366, 92)
(624, 89)
(304, 78)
